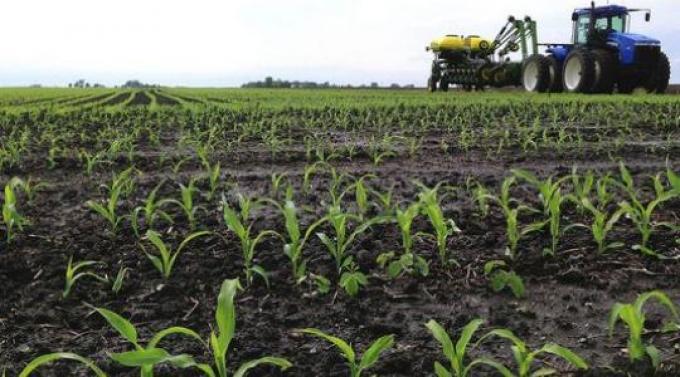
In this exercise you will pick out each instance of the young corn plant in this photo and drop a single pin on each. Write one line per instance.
(368, 359)
(408, 262)
(225, 317)
(166, 258)
(513, 231)
(122, 184)
(118, 281)
(151, 210)
(602, 224)
(633, 317)
(546, 188)
(582, 187)
(10, 215)
(456, 354)
(338, 243)
(296, 240)
(36, 363)
(554, 221)
(443, 228)
(148, 357)
(642, 215)
(234, 223)
(186, 202)
(501, 277)
(74, 273)
(213, 175)
(525, 358)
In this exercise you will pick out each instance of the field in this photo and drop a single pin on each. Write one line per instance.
(362, 214)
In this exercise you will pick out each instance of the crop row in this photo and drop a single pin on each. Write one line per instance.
(377, 133)
(458, 359)
(353, 207)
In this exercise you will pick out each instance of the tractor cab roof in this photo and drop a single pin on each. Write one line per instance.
(603, 11)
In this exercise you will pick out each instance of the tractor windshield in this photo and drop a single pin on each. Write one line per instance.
(603, 24)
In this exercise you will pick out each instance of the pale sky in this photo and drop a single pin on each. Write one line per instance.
(228, 42)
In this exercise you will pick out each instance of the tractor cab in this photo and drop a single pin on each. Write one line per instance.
(605, 21)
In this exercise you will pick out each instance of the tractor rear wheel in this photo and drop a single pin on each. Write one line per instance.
(605, 72)
(578, 74)
(554, 75)
(658, 82)
(535, 74)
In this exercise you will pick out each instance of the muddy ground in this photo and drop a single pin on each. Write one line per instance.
(568, 296)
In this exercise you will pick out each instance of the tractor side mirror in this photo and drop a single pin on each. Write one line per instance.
(574, 17)
(648, 16)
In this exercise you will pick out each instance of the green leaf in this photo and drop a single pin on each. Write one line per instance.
(654, 356)
(466, 336)
(440, 334)
(225, 315)
(345, 348)
(45, 359)
(120, 324)
(566, 354)
(374, 350)
(440, 371)
(176, 330)
(277, 361)
(141, 357)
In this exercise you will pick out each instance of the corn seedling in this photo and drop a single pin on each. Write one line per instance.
(642, 215)
(225, 317)
(408, 261)
(277, 182)
(633, 316)
(149, 356)
(338, 244)
(368, 359)
(234, 223)
(546, 188)
(36, 363)
(443, 228)
(526, 358)
(118, 281)
(151, 210)
(166, 258)
(10, 215)
(582, 187)
(120, 185)
(513, 231)
(213, 173)
(74, 273)
(456, 354)
(295, 239)
(501, 277)
(91, 161)
(186, 202)
(602, 224)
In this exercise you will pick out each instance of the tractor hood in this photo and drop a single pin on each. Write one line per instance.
(629, 39)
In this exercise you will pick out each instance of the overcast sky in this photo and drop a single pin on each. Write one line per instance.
(228, 42)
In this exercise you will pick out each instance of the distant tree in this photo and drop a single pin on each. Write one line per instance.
(395, 86)
(374, 85)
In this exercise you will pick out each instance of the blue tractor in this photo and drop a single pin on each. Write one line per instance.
(603, 56)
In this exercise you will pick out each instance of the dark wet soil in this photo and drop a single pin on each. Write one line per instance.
(568, 296)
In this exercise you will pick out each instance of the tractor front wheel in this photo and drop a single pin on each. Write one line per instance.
(658, 82)
(432, 84)
(578, 74)
(535, 74)
(605, 72)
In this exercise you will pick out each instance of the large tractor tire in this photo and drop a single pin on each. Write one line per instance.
(554, 75)
(626, 85)
(431, 84)
(606, 72)
(578, 73)
(658, 82)
(535, 74)
(444, 85)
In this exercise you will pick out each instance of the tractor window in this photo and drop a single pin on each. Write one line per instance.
(581, 29)
(618, 23)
